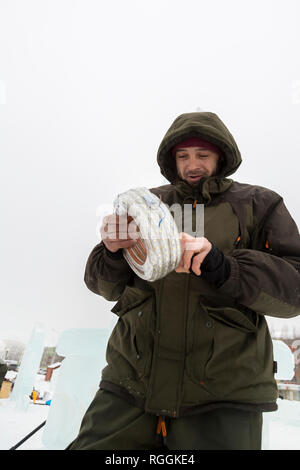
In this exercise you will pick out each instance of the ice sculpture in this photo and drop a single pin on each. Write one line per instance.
(77, 382)
(285, 361)
(28, 369)
(285, 371)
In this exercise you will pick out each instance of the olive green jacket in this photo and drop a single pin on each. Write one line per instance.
(181, 345)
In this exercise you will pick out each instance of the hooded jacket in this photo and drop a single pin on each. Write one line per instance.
(181, 344)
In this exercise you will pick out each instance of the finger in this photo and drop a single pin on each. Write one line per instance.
(113, 229)
(188, 255)
(182, 270)
(197, 261)
(186, 259)
(196, 244)
(116, 237)
(114, 219)
(196, 264)
(182, 239)
(192, 247)
(116, 245)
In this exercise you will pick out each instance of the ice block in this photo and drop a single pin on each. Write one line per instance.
(285, 371)
(28, 369)
(77, 382)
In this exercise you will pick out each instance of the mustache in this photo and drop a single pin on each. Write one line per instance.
(195, 174)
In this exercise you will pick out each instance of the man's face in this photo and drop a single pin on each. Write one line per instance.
(195, 162)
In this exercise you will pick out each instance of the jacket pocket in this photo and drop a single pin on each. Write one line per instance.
(132, 297)
(199, 344)
(133, 337)
(242, 319)
(228, 344)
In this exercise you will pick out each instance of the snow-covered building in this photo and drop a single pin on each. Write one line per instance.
(50, 370)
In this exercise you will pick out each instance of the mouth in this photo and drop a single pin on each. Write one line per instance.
(195, 177)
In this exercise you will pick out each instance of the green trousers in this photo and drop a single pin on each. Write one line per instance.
(111, 423)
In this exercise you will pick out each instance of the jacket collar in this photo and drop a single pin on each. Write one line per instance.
(204, 190)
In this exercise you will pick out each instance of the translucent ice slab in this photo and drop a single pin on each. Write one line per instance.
(28, 369)
(77, 383)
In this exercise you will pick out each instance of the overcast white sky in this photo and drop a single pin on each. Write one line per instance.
(87, 91)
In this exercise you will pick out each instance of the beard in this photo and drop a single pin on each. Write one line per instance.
(188, 177)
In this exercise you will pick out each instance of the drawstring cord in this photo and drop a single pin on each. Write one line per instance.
(161, 428)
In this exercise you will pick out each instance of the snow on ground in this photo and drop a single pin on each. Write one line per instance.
(283, 426)
(16, 424)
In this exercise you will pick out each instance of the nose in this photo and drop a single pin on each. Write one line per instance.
(194, 165)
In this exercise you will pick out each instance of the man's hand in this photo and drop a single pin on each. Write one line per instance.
(118, 232)
(189, 246)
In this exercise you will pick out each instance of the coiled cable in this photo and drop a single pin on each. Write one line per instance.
(157, 251)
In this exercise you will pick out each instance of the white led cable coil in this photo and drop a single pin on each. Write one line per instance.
(158, 249)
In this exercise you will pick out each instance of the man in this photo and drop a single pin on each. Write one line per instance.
(190, 362)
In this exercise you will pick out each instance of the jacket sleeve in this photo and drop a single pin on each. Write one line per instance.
(106, 273)
(266, 278)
